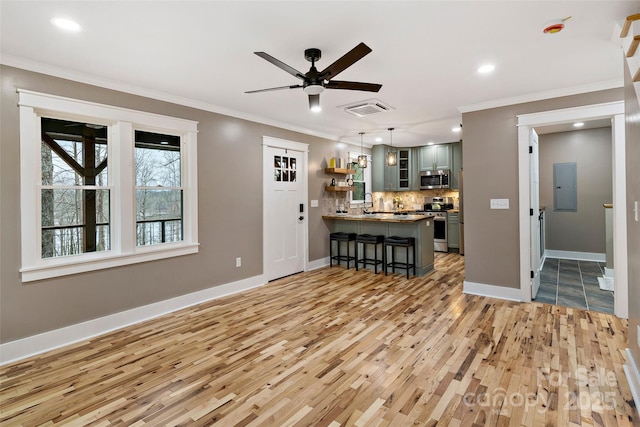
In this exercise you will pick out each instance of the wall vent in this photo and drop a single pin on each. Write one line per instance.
(365, 108)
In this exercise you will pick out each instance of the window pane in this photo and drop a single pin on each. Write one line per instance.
(358, 192)
(157, 160)
(359, 172)
(74, 222)
(159, 216)
(73, 153)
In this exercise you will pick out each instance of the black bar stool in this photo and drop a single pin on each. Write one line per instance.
(339, 237)
(403, 242)
(369, 239)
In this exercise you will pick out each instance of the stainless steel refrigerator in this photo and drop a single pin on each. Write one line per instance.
(461, 207)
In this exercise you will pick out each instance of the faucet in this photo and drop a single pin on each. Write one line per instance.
(364, 203)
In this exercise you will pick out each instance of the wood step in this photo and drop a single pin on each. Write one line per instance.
(636, 77)
(633, 46)
(627, 24)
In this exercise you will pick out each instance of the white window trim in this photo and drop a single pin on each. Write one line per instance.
(121, 125)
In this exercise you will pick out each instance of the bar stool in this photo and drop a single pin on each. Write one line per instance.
(405, 242)
(369, 239)
(339, 237)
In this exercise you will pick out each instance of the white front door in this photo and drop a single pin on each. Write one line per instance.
(285, 210)
(535, 209)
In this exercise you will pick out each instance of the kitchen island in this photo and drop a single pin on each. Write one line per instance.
(419, 227)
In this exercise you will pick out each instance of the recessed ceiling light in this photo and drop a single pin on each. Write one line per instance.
(578, 125)
(66, 24)
(456, 129)
(316, 109)
(487, 68)
(378, 139)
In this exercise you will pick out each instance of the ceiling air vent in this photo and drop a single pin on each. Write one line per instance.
(367, 107)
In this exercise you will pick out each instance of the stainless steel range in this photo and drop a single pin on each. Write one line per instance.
(438, 207)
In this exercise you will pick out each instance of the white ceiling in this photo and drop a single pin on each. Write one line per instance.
(425, 54)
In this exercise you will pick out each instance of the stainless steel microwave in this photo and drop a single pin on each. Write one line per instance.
(435, 179)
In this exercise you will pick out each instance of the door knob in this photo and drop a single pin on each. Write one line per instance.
(301, 218)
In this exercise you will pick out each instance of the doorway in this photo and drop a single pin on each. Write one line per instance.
(528, 240)
(284, 207)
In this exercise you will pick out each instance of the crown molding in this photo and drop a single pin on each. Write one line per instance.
(69, 74)
(539, 96)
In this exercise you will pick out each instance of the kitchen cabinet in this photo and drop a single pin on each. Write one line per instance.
(434, 157)
(456, 164)
(383, 177)
(405, 177)
(453, 230)
(392, 178)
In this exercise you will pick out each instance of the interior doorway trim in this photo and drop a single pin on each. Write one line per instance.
(614, 111)
(268, 141)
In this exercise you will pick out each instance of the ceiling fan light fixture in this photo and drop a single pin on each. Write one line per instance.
(314, 103)
(313, 89)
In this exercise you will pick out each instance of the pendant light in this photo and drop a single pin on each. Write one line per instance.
(362, 158)
(391, 159)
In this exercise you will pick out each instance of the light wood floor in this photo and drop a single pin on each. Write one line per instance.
(337, 347)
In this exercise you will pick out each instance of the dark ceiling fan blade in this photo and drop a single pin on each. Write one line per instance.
(281, 65)
(345, 61)
(339, 84)
(274, 88)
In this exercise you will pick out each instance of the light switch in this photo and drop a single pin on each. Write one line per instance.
(499, 203)
(314, 203)
(635, 210)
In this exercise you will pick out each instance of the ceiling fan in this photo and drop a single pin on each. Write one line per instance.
(314, 82)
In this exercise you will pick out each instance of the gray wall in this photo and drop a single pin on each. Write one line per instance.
(490, 158)
(591, 150)
(230, 216)
(632, 136)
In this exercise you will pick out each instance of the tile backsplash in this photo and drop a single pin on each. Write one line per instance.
(383, 201)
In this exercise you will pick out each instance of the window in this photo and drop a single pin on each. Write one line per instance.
(361, 180)
(103, 186)
(74, 195)
(158, 189)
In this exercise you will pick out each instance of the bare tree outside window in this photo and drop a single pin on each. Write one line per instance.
(158, 188)
(74, 198)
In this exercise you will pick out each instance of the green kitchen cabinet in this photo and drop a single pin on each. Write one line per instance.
(435, 157)
(405, 171)
(392, 178)
(453, 230)
(456, 164)
(383, 177)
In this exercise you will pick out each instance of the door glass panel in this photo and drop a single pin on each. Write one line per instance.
(284, 169)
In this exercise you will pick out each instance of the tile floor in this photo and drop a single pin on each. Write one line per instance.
(574, 284)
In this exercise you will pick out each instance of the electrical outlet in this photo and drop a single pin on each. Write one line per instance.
(499, 203)
(238, 262)
(635, 210)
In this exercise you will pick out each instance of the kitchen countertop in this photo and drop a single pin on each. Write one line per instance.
(378, 217)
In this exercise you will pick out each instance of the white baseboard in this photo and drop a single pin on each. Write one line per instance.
(36, 344)
(493, 291)
(631, 371)
(319, 263)
(578, 256)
